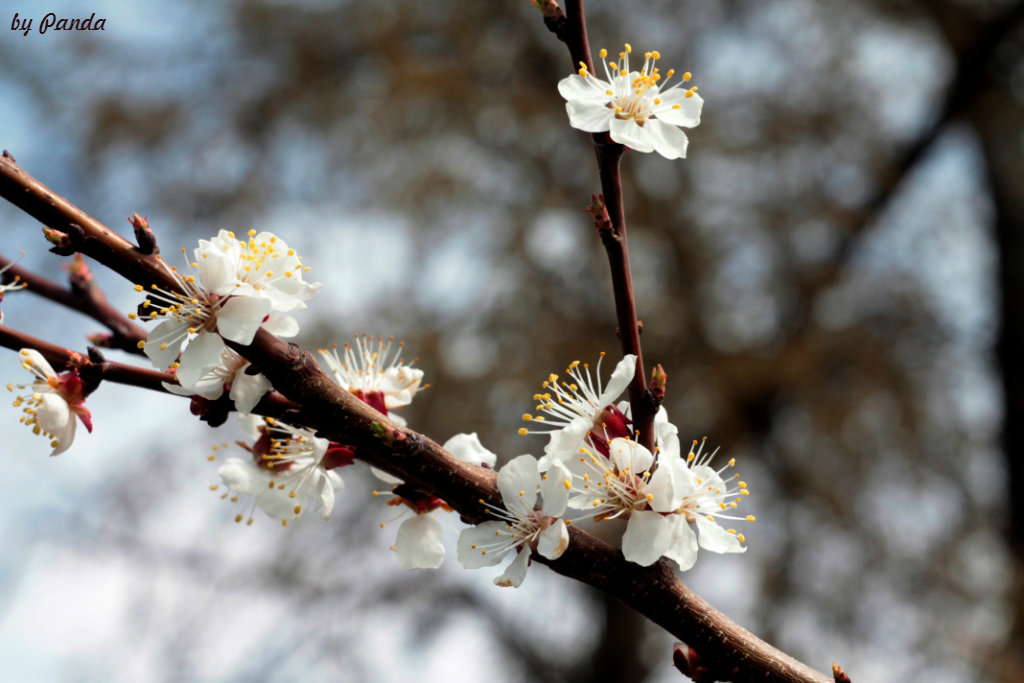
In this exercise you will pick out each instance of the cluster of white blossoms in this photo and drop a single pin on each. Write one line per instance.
(232, 289)
(593, 464)
(636, 108)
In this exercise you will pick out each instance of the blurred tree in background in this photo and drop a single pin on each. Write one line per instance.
(833, 280)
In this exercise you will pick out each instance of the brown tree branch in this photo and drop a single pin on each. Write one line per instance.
(654, 591)
(571, 28)
(85, 298)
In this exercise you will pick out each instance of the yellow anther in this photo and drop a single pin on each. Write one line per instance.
(603, 53)
(527, 417)
(629, 48)
(751, 518)
(741, 538)
(523, 431)
(238, 518)
(687, 76)
(138, 288)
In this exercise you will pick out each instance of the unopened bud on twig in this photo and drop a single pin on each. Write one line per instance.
(602, 221)
(659, 379)
(688, 662)
(101, 340)
(60, 240)
(839, 674)
(144, 234)
(79, 274)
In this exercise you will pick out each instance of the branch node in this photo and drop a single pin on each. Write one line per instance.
(8, 155)
(144, 234)
(659, 381)
(61, 242)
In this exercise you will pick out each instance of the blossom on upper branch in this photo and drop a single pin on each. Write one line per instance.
(519, 526)
(230, 374)
(55, 401)
(418, 543)
(232, 289)
(575, 408)
(289, 465)
(634, 107)
(374, 372)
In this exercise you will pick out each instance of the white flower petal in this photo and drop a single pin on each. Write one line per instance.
(243, 476)
(474, 542)
(467, 448)
(200, 356)
(648, 536)
(281, 325)
(555, 489)
(669, 141)
(241, 316)
(589, 116)
(399, 385)
(553, 541)
(518, 481)
(247, 390)
(716, 539)
(164, 342)
(688, 113)
(576, 87)
(667, 484)
(385, 477)
(623, 374)
(630, 455)
(627, 132)
(418, 544)
(33, 358)
(683, 550)
(516, 571)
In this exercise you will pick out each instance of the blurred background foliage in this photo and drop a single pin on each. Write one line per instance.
(832, 281)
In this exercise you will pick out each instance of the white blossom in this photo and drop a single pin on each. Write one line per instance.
(232, 289)
(663, 497)
(518, 525)
(636, 108)
(53, 403)
(418, 543)
(230, 374)
(374, 371)
(287, 469)
(569, 409)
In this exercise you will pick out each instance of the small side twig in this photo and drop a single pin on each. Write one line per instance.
(85, 297)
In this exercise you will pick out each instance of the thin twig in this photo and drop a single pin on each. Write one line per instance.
(87, 299)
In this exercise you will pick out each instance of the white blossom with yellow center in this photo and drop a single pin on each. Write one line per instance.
(231, 290)
(637, 108)
(519, 526)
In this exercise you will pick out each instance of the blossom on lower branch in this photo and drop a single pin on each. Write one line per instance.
(418, 543)
(54, 402)
(519, 526)
(289, 466)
